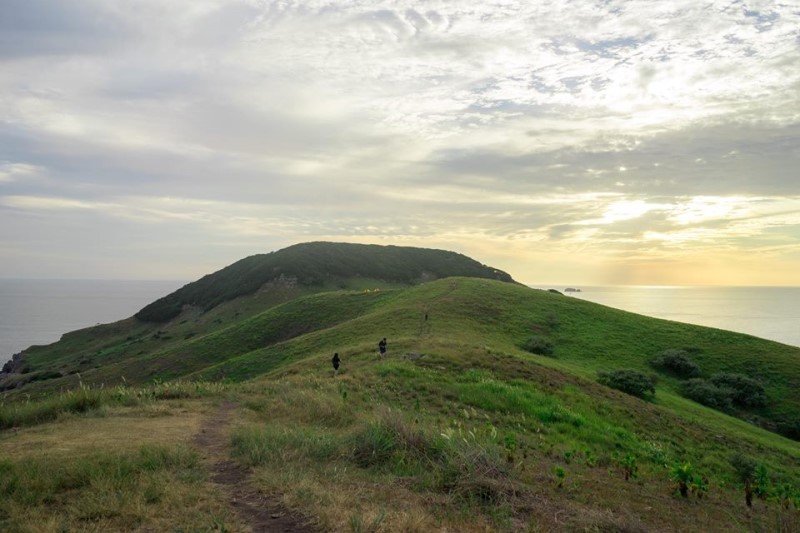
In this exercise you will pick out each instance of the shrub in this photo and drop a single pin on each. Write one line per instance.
(724, 390)
(676, 362)
(789, 427)
(746, 391)
(539, 345)
(629, 381)
(455, 464)
(706, 393)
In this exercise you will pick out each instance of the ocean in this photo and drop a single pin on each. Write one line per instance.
(767, 312)
(40, 311)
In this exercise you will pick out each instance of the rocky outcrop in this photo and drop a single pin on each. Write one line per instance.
(281, 282)
(10, 373)
(13, 366)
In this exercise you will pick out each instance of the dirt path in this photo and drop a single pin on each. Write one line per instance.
(262, 513)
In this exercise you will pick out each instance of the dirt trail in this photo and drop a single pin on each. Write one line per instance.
(262, 513)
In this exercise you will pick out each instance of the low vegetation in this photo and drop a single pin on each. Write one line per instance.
(630, 382)
(726, 391)
(676, 362)
(458, 428)
(539, 346)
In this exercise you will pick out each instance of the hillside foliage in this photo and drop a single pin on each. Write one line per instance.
(317, 264)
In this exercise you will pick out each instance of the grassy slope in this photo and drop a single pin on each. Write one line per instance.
(237, 340)
(588, 337)
(469, 439)
(140, 351)
(474, 434)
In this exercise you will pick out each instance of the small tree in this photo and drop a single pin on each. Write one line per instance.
(629, 467)
(745, 469)
(683, 474)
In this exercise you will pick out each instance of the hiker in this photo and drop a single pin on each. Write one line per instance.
(382, 347)
(335, 362)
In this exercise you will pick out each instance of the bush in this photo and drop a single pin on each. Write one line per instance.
(676, 362)
(539, 345)
(629, 381)
(724, 390)
(745, 391)
(706, 393)
(787, 427)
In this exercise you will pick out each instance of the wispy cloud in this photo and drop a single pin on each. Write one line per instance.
(628, 130)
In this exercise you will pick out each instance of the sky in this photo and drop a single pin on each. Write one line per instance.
(563, 141)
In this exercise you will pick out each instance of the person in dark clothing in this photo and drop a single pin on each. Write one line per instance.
(335, 361)
(382, 347)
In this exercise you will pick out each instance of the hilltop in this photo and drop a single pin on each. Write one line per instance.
(318, 265)
(486, 414)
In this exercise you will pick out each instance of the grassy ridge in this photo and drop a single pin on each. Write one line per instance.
(459, 428)
(470, 433)
(239, 342)
(587, 337)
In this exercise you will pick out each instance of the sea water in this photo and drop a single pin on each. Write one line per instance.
(40, 311)
(767, 312)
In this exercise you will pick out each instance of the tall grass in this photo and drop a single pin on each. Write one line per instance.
(461, 465)
(256, 446)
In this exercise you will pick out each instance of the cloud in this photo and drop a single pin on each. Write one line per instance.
(31, 28)
(625, 128)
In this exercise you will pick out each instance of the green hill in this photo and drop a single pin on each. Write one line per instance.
(317, 265)
(461, 427)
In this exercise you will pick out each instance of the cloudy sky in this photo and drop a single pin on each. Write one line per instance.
(564, 141)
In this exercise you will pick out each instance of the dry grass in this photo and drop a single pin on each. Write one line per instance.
(122, 469)
(123, 429)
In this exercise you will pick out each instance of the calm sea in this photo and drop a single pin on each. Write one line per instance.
(768, 312)
(40, 311)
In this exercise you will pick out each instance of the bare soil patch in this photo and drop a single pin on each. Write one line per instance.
(262, 513)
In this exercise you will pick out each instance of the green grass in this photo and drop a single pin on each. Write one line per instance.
(586, 338)
(459, 427)
(492, 437)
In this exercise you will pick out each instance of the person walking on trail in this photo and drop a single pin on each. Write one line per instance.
(335, 361)
(382, 347)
